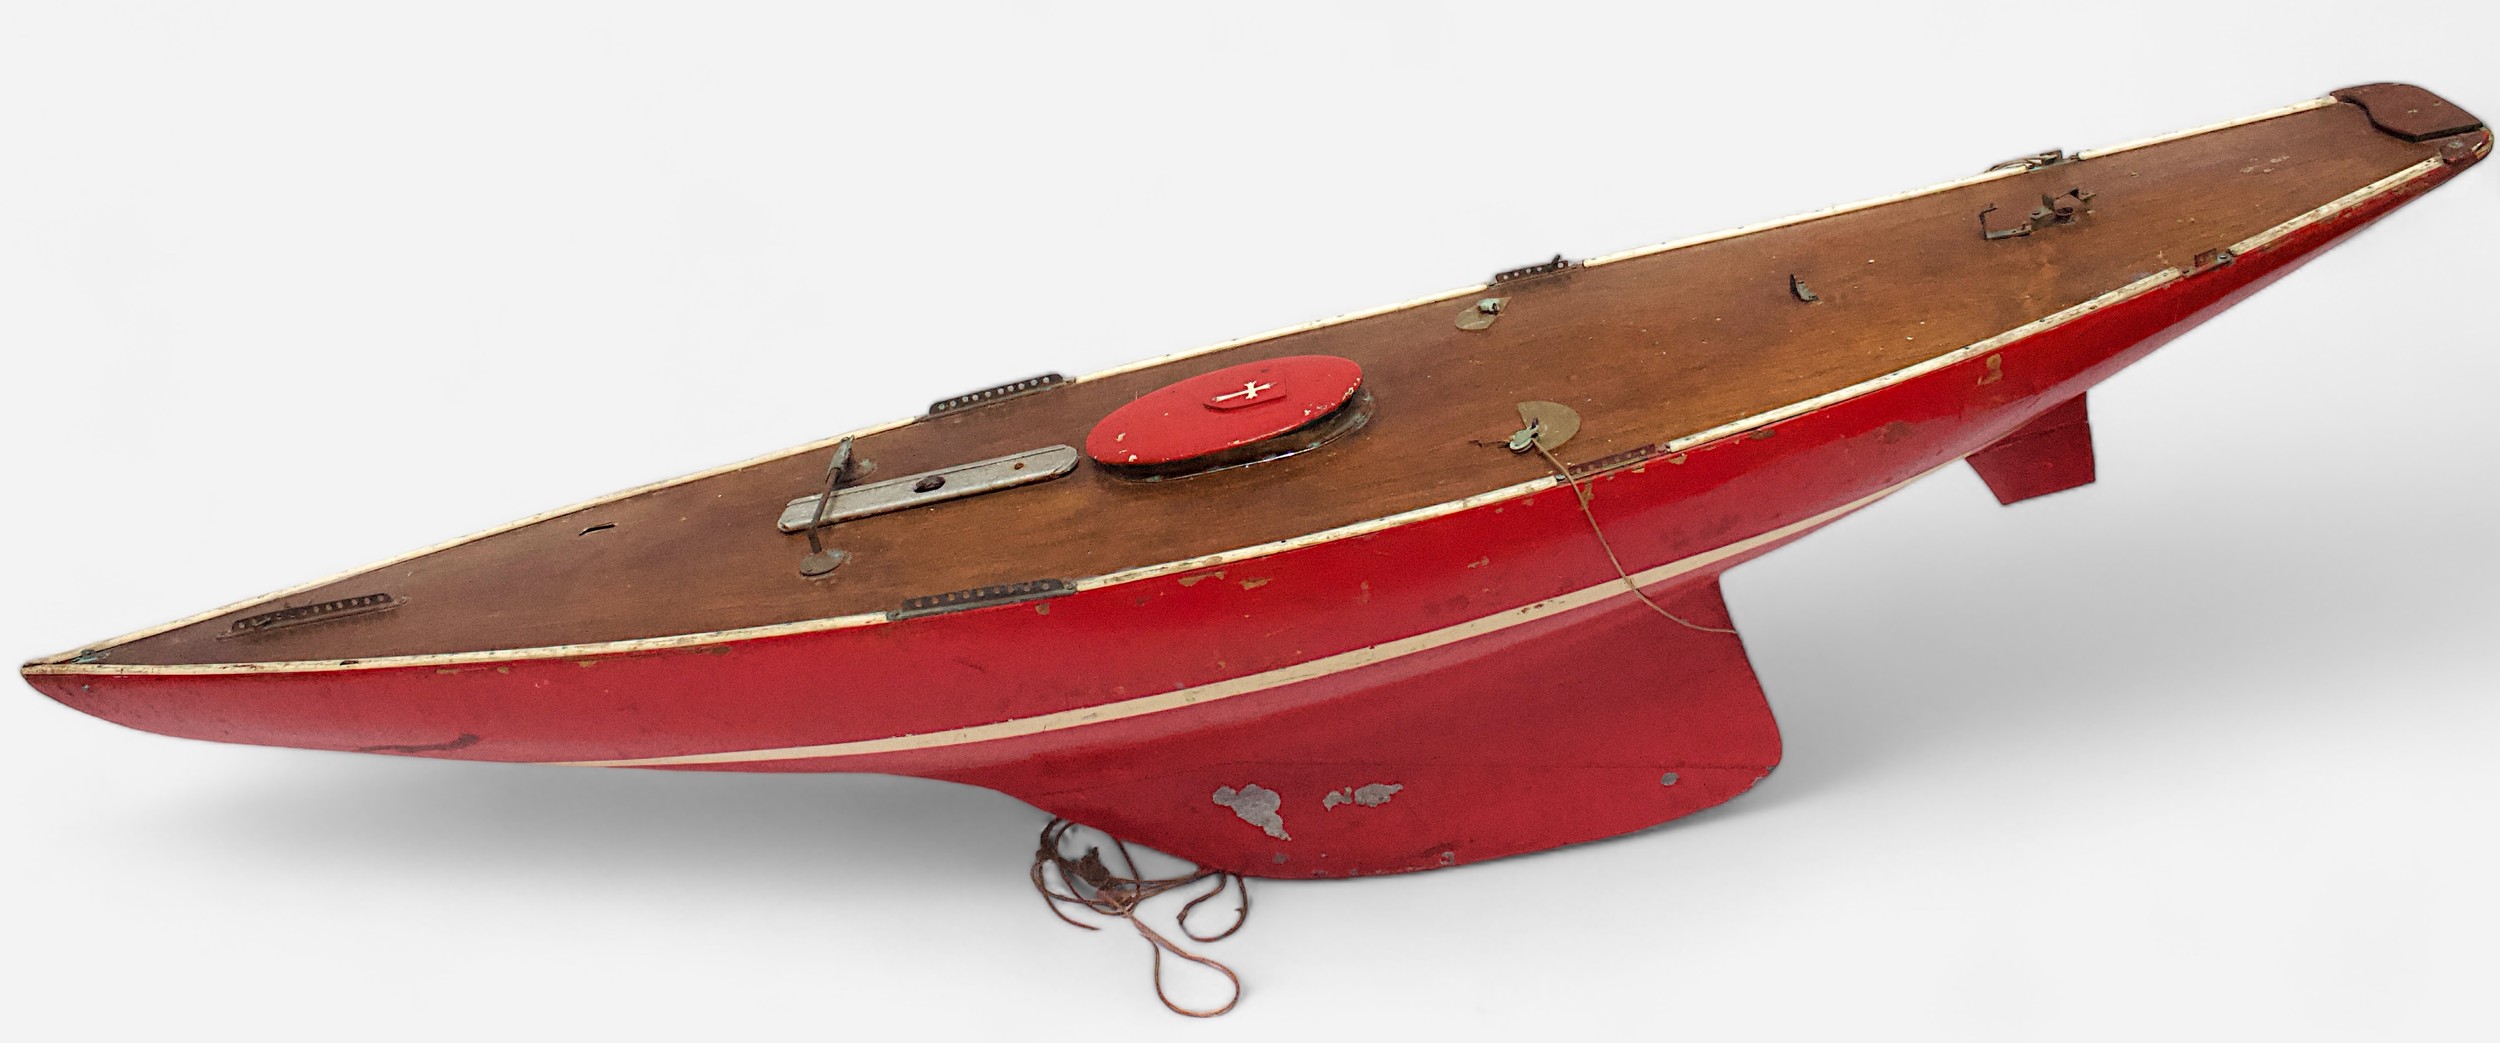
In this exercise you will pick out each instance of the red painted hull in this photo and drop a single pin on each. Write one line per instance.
(1427, 662)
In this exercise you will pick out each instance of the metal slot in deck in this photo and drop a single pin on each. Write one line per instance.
(303, 615)
(982, 597)
(938, 486)
(986, 396)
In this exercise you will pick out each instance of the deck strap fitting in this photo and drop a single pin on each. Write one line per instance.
(1000, 393)
(982, 597)
(1558, 264)
(305, 615)
(2036, 160)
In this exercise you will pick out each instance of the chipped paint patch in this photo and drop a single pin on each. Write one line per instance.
(1256, 582)
(1191, 581)
(1668, 779)
(1257, 806)
(1370, 796)
(1996, 370)
(1280, 858)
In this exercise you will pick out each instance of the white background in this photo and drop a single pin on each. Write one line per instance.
(2204, 750)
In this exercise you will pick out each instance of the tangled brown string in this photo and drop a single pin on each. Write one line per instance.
(1085, 880)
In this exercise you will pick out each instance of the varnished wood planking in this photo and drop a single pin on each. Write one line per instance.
(1647, 349)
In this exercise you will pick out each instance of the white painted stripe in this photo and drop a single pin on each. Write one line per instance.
(2374, 189)
(2313, 103)
(1248, 684)
(59, 663)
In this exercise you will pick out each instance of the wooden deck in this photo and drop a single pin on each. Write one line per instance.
(1646, 349)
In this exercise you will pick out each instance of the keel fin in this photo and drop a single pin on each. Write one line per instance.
(1586, 725)
(2052, 453)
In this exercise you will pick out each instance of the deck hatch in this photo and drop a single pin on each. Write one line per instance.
(1231, 417)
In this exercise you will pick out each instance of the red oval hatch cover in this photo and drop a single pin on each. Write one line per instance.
(1226, 409)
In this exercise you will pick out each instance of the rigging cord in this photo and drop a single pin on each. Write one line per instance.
(1582, 497)
(1086, 881)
